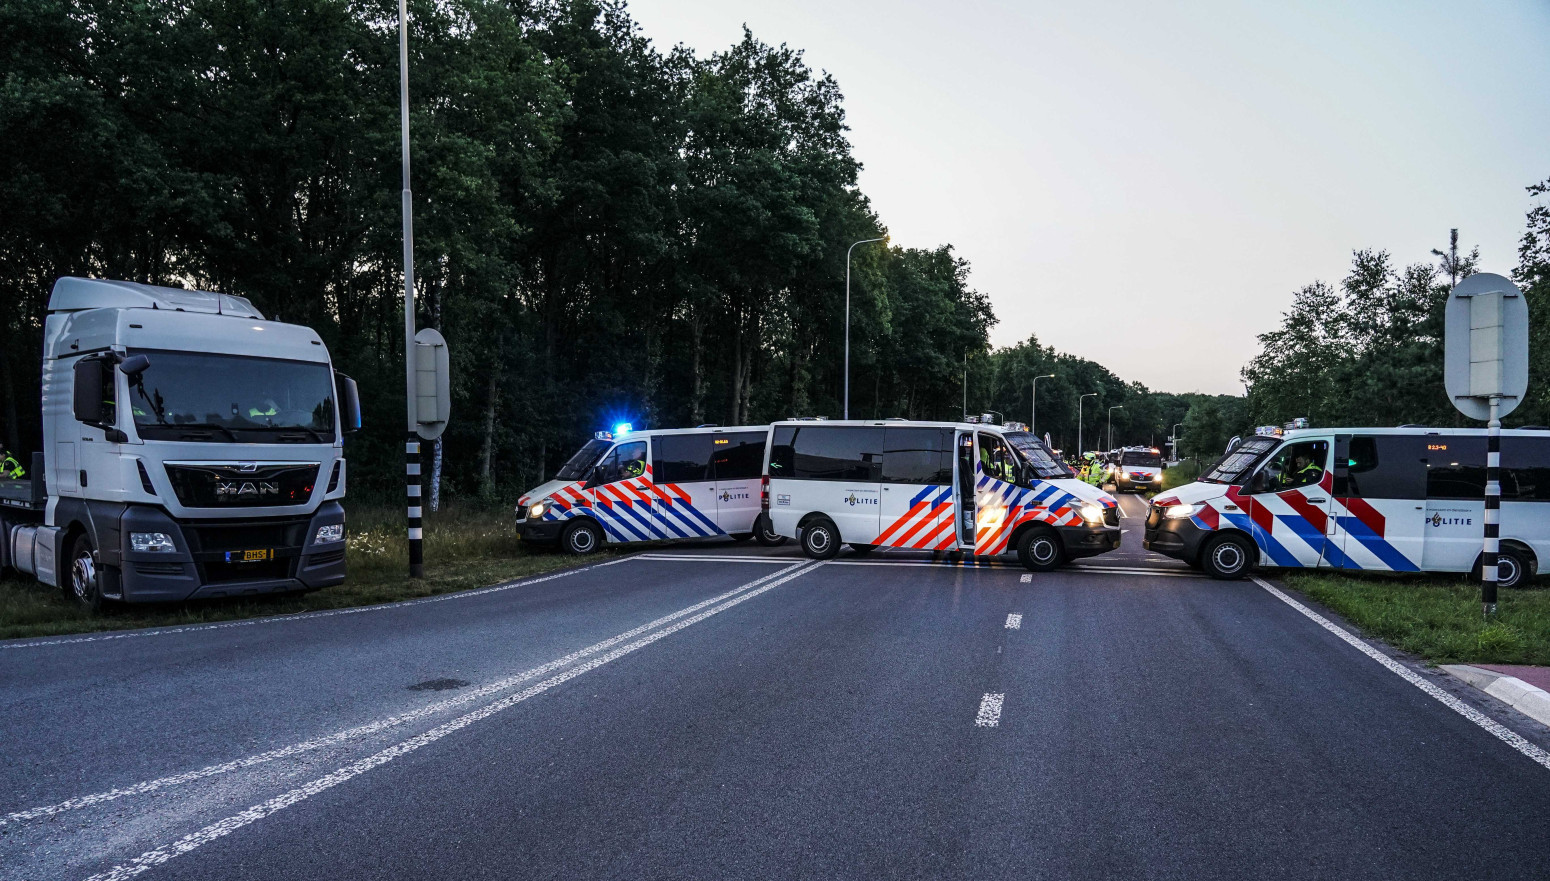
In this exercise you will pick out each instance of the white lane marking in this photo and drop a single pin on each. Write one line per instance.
(707, 558)
(378, 725)
(152, 858)
(946, 564)
(1498, 730)
(1026, 578)
(307, 616)
(1014, 621)
(990, 711)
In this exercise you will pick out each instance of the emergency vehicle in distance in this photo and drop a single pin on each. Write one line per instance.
(962, 487)
(1138, 469)
(626, 486)
(1408, 499)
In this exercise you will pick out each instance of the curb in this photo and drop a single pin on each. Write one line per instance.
(1510, 690)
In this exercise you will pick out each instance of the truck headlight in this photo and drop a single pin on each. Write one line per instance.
(152, 543)
(1091, 513)
(1179, 512)
(329, 534)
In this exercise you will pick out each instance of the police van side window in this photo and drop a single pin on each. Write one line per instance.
(829, 453)
(681, 458)
(1527, 461)
(1455, 467)
(918, 455)
(625, 462)
(1385, 466)
(738, 456)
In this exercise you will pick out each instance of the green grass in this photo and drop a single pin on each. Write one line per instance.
(1180, 474)
(1438, 617)
(465, 547)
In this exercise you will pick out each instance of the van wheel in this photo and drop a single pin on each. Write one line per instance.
(764, 533)
(581, 538)
(820, 539)
(1227, 558)
(862, 549)
(1513, 568)
(85, 585)
(1039, 549)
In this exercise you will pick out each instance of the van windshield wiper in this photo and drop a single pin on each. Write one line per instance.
(205, 426)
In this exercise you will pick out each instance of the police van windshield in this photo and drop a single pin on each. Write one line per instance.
(1045, 466)
(1141, 458)
(1236, 464)
(578, 465)
(207, 397)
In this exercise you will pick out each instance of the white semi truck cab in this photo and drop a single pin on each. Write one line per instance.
(192, 448)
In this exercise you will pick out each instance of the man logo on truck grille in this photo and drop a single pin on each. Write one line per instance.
(246, 488)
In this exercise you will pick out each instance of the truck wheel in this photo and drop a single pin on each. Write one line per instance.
(85, 586)
(820, 539)
(1039, 549)
(581, 538)
(764, 533)
(1228, 557)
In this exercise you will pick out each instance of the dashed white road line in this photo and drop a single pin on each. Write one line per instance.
(990, 711)
(374, 727)
(708, 558)
(214, 831)
(1014, 621)
(1496, 729)
(1026, 578)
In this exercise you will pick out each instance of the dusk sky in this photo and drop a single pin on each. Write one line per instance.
(1146, 184)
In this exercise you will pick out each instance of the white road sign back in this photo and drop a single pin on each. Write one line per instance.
(1486, 345)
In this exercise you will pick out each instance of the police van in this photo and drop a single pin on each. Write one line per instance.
(969, 487)
(627, 486)
(1138, 469)
(1407, 499)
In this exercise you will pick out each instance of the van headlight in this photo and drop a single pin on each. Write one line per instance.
(152, 543)
(1180, 512)
(329, 534)
(1091, 513)
(537, 509)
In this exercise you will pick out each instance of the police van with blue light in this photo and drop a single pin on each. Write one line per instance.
(632, 486)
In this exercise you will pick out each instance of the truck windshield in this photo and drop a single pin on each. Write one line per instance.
(1045, 466)
(1141, 458)
(1237, 463)
(232, 398)
(585, 458)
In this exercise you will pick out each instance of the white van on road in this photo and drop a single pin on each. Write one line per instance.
(965, 487)
(630, 486)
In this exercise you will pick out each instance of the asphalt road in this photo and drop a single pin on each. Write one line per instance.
(717, 710)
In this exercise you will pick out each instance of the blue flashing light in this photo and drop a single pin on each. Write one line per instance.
(623, 429)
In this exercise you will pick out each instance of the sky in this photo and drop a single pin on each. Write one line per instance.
(1146, 184)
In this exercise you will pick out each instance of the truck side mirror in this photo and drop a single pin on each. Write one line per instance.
(349, 403)
(91, 384)
(134, 365)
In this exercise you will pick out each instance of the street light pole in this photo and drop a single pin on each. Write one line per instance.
(847, 318)
(1033, 416)
(1175, 439)
(1079, 450)
(1111, 423)
(412, 442)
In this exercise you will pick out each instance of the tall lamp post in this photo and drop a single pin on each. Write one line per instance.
(847, 319)
(1033, 416)
(1111, 423)
(1174, 446)
(1079, 450)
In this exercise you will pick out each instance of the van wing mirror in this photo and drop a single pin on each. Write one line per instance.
(90, 394)
(349, 403)
(1259, 482)
(134, 365)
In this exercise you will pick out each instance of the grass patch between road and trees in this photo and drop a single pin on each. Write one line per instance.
(1437, 617)
(466, 546)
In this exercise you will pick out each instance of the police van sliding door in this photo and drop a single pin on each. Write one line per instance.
(1455, 501)
(1380, 502)
(917, 489)
(683, 495)
(737, 464)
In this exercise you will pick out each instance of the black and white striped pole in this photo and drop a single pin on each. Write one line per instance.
(1493, 509)
(412, 438)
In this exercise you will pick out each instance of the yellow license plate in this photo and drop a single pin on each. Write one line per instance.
(257, 556)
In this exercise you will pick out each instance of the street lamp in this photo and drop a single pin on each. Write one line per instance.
(847, 319)
(1111, 423)
(1079, 450)
(1174, 441)
(1033, 416)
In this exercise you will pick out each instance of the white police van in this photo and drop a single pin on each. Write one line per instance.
(627, 486)
(962, 487)
(1138, 469)
(1408, 499)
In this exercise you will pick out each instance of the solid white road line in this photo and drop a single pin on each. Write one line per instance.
(214, 831)
(308, 616)
(371, 728)
(1496, 729)
(1014, 621)
(990, 711)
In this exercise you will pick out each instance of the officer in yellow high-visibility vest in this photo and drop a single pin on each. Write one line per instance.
(9, 467)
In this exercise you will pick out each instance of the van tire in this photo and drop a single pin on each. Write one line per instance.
(1228, 557)
(1039, 549)
(85, 584)
(764, 533)
(581, 538)
(1514, 569)
(862, 548)
(820, 538)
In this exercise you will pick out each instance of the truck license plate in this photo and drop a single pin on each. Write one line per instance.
(257, 556)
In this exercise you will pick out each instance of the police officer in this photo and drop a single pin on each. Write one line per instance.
(9, 467)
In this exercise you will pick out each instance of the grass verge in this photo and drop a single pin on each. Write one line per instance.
(1436, 617)
(464, 548)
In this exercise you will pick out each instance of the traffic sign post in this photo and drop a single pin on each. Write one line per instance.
(1486, 374)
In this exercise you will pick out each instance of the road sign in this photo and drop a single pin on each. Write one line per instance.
(1486, 346)
(432, 384)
